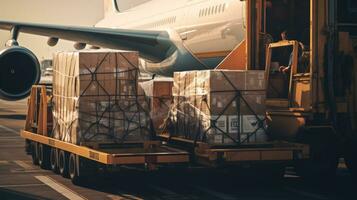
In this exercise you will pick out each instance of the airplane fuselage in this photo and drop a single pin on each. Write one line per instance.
(208, 29)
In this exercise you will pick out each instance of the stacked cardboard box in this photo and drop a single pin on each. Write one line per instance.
(96, 99)
(219, 106)
(159, 92)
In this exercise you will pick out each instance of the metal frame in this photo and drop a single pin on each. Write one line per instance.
(213, 156)
(293, 70)
(171, 155)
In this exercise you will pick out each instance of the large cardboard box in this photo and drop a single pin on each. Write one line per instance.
(159, 92)
(219, 106)
(95, 97)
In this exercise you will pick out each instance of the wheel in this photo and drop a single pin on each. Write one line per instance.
(73, 169)
(53, 160)
(34, 153)
(43, 156)
(80, 169)
(28, 147)
(63, 163)
(323, 161)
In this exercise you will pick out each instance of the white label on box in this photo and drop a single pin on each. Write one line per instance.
(201, 91)
(233, 124)
(250, 123)
(214, 101)
(221, 123)
(219, 104)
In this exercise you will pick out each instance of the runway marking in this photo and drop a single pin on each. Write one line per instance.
(163, 190)
(68, 193)
(10, 129)
(11, 146)
(115, 197)
(22, 185)
(24, 165)
(290, 176)
(29, 171)
(305, 194)
(218, 195)
(123, 197)
(9, 138)
(4, 162)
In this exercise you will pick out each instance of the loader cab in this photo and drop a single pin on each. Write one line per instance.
(288, 101)
(267, 50)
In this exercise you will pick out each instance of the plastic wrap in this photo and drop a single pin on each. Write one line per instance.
(159, 92)
(219, 106)
(95, 97)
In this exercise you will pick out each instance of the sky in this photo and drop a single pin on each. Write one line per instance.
(59, 12)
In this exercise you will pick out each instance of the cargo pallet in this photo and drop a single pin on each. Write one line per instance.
(223, 155)
(80, 161)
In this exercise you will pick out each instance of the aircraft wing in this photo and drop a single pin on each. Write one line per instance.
(153, 45)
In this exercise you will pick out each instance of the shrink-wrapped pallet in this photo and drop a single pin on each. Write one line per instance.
(95, 97)
(159, 93)
(219, 106)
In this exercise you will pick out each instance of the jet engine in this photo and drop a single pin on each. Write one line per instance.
(19, 70)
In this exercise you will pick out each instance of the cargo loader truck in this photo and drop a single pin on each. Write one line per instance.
(311, 109)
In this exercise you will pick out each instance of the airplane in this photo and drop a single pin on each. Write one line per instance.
(170, 36)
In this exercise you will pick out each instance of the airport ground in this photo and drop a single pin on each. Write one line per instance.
(19, 179)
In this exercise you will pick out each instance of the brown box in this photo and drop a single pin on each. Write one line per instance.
(159, 92)
(213, 105)
(95, 96)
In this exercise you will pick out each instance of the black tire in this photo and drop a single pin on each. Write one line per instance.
(53, 160)
(73, 170)
(63, 163)
(323, 161)
(28, 146)
(34, 153)
(43, 156)
(80, 169)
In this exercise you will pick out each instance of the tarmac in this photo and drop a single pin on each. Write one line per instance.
(20, 179)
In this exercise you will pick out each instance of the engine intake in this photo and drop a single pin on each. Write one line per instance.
(19, 70)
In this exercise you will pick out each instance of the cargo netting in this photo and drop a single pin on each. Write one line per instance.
(218, 107)
(96, 98)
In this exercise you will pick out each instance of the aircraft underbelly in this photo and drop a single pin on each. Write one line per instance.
(211, 45)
